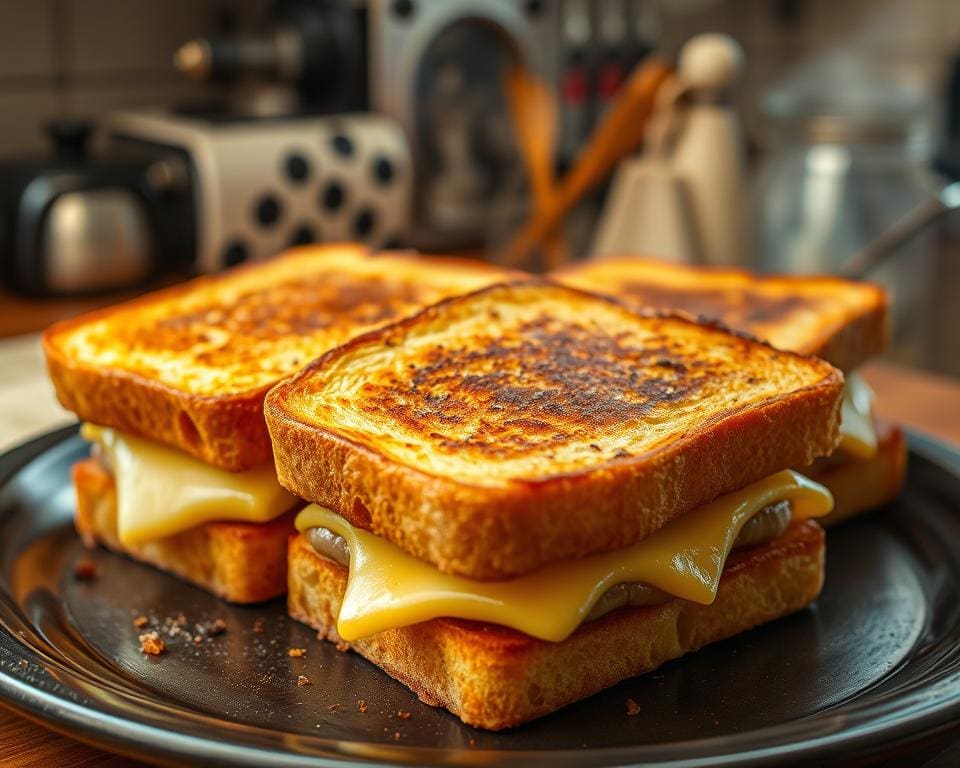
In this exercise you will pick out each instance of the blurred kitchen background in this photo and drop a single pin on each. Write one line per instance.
(144, 141)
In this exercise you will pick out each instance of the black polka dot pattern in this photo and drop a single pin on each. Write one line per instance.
(342, 145)
(235, 253)
(297, 168)
(336, 181)
(382, 170)
(333, 196)
(268, 210)
(303, 235)
(364, 223)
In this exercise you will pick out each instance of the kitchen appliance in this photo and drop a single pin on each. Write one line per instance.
(78, 222)
(260, 186)
(175, 194)
(438, 67)
(619, 133)
(847, 180)
(681, 198)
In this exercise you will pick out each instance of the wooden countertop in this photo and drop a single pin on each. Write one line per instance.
(920, 400)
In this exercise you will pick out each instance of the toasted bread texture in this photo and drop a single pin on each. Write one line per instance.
(527, 423)
(189, 366)
(861, 485)
(492, 677)
(240, 562)
(842, 321)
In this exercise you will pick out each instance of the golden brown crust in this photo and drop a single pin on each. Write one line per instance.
(240, 562)
(490, 532)
(861, 485)
(842, 321)
(189, 366)
(493, 677)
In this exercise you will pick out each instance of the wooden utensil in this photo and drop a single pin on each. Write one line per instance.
(534, 112)
(619, 133)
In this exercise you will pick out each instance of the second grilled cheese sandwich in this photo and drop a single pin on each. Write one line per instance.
(171, 386)
(843, 321)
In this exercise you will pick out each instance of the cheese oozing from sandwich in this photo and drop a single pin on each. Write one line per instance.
(162, 491)
(857, 435)
(388, 588)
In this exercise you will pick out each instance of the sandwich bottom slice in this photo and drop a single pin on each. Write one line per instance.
(494, 677)
(225, 532)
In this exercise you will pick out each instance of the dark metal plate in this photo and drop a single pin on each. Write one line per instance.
(873, 666)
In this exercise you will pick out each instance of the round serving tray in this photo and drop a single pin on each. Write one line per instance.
(873, 666)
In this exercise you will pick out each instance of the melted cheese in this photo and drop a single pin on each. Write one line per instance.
(388, 588)
(857, 435)
(161, 491)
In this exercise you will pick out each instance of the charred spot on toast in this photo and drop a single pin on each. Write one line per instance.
(234, 332)
(299, 306)
(545, 381)
(745, 310)
(242, 331)
(842, 321)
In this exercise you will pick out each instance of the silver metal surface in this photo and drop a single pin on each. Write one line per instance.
(913, 223)
(96, 239)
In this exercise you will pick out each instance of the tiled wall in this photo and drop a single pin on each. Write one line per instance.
(907, 41)
(78, 57)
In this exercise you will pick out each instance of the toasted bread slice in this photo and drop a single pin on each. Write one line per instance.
(860, 485)
(842, 321)
(497, 432)
(240, 562)
(189, 366)
(493, 677)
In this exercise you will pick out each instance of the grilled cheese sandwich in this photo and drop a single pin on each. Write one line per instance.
(171, 386)
(505, 476)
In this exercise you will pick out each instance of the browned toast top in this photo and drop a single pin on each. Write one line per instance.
(842, 321)
(189, 365)
(536, 401)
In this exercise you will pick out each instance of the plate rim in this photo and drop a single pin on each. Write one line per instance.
(872, 729)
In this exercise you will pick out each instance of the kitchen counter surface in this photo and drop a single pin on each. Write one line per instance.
(919, 400)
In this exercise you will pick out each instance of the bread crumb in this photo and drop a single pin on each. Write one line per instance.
(632, 708)
(396, 735)
(140, 622)
(152, 644)
(472, 742)
(296, 653)
(258, 626)
(218, 627)
(361, 706)
(85, 570)
(303, 680)
(403, 714)
(343, 647)
(333, 708)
